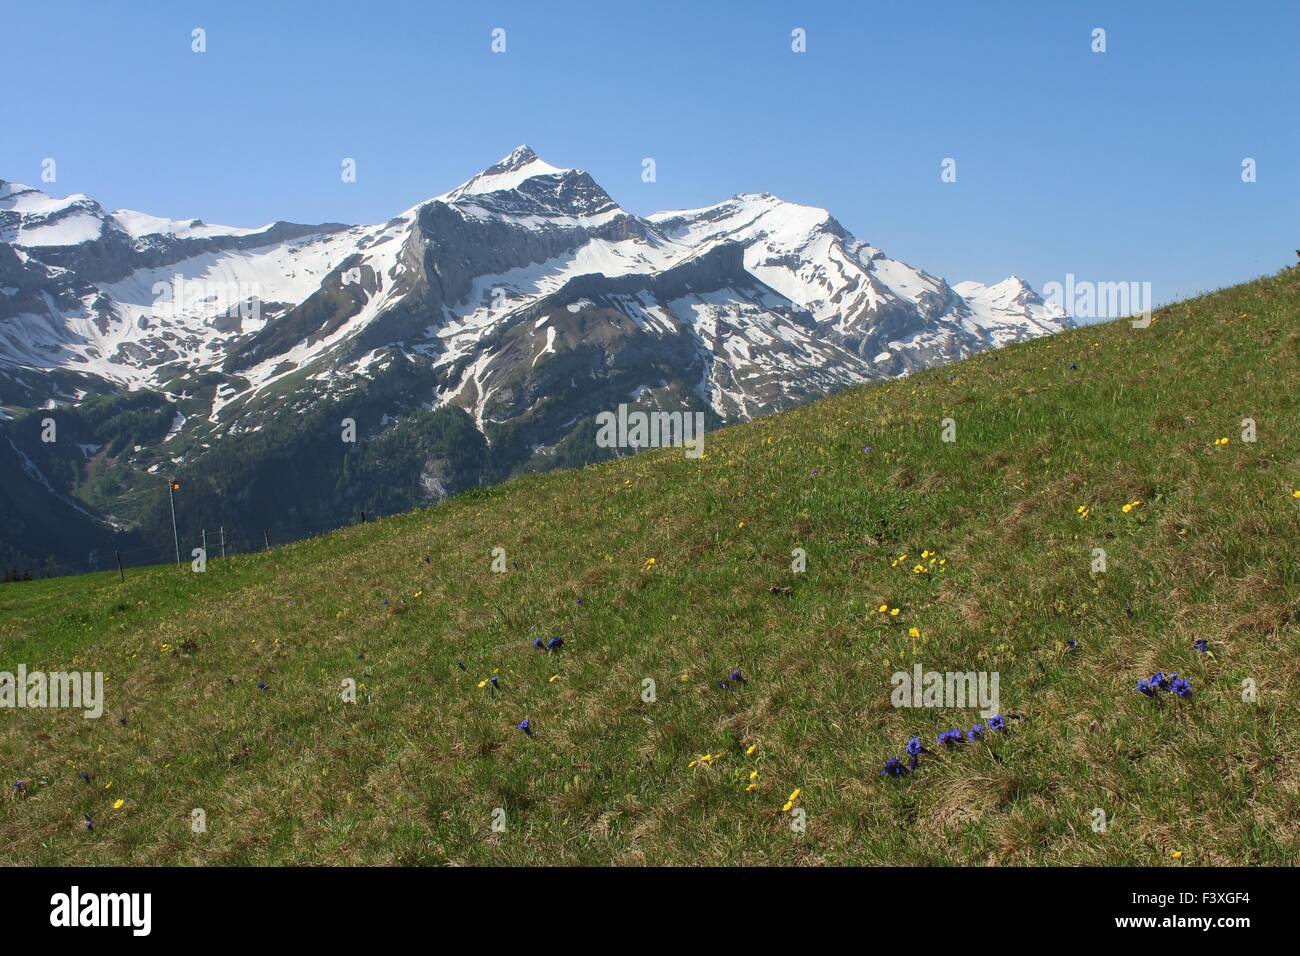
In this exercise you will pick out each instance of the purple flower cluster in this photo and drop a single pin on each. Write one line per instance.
(948, 739)
(1162, 683)
(735, 677)
(893, 768)
(951, 738)
(914, 750)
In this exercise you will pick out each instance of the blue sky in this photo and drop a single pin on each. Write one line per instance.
(1124, 165)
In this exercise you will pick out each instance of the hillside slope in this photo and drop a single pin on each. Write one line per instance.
(1095, 417)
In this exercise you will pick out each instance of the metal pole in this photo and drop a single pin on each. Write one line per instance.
(120, 572)
(171, 496)
(223, 540)
(204, 535)
(267, 538)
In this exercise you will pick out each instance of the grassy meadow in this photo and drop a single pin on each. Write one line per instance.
(224, 690)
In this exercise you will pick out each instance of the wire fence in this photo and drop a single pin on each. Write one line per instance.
(219, 542)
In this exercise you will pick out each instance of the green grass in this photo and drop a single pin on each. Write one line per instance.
(412, 775)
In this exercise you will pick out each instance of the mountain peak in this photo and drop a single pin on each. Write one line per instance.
(521, 155)
(517, 166)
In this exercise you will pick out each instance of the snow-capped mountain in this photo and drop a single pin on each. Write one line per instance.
(526, 297)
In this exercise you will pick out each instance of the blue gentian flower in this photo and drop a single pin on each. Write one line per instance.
(950, 738)
(90, 824)
(85, 777)
(1145, 686)
(1202, 645)
(893, 768)
(975, 733)
(261, 685)
(20, 786)
(1182, 687)
(537, 643)
(554, 644)
(1071, 645)
(997, 723)
(525, 726)
(914, 750)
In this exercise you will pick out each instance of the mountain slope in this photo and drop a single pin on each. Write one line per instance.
(413, 771)
(526, 298)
